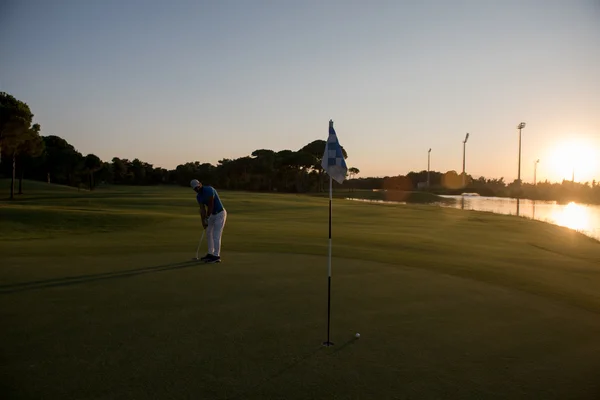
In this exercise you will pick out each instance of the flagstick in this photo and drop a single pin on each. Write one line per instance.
(328, 342)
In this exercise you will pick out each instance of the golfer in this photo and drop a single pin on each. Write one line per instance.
(213, 219)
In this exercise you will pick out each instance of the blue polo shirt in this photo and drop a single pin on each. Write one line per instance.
(205, 194)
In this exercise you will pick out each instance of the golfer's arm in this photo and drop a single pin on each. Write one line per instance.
(211, 205)
(202, 211)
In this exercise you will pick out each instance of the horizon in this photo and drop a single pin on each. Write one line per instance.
(400, 174)
(195, 81)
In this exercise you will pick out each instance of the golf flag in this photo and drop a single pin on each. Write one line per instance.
(334, 164)
(333, 159)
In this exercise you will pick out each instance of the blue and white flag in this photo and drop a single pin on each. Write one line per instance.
(333, 159)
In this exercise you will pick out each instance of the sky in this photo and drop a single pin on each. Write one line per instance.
(179, 81)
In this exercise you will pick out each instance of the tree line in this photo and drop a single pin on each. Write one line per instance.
(27, 154)
(451, 183)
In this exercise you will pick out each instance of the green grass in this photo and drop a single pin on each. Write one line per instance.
(98, 299)
(398, 196)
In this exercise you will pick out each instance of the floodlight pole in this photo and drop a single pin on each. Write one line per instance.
(428, 165)
(520, 127)
(464, 159)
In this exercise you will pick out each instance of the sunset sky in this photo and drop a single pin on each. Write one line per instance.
(178, 81)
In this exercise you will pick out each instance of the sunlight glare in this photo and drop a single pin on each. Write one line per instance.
(573, 216)
(574, 156)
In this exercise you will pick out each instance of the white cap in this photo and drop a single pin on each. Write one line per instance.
(194, 183)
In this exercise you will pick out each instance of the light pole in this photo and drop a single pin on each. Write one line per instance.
(519, 127)
(535, 171)
(464, 150)
(428, 165)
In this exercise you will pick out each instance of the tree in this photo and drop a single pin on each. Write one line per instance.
(353, 172)
(316, 149)
(286, 165)
(15, 117)
(105, 173)
(302, 162)
(29, 150)
(400, 182)
(63, 163)
(451, 180)
(184, 173)
(138, 171)
(92, 164)
(15, 126)
(265, 166)
(160, 175)
(119, 169)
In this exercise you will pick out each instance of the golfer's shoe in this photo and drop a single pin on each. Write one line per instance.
(213, 259)
(206, 257)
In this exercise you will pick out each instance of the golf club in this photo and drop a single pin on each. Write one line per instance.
(199, 243)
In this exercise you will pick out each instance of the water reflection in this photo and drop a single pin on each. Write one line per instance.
(573, 216)
(583, 218)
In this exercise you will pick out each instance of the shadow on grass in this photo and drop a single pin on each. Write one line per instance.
(73, 280)
(289, 367)
(342, 347)
(275, 375)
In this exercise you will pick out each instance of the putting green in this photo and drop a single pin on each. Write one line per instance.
(162, 326)
(99, 299)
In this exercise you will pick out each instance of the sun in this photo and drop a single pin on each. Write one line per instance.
(574, 158)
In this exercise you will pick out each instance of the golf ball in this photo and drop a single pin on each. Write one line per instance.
(357, 335)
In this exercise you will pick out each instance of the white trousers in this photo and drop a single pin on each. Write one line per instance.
(214, 231)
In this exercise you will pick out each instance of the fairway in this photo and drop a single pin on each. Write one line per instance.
(99, 299)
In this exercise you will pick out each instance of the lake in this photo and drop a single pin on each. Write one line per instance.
(580, 217)
(583, 218)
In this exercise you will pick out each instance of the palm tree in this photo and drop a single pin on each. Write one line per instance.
(352, 173)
